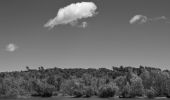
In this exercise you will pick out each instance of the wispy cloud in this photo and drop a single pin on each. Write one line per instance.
(141, 19)
(84, 24)
(80, 25)
(11, 47)
(72, 13)
(159, 18)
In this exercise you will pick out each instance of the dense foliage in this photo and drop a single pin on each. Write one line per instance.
(108, 90)
(125, 82)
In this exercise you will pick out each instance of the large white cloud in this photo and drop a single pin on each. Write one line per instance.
(141, 19)
(72, 13)
(11, 47)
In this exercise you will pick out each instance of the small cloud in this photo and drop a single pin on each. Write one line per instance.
(11, 47)
(84, 24)
(81, 25)
(72, 13)
(141, 19)
(138, 19)
(160, 18)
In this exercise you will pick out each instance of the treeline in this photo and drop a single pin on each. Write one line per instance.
(124, 82)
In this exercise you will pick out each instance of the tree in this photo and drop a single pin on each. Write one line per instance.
(126, 91)
(88, 91)
(120, 82)
(158, 81)
(56, 81)
(42, 88)
(150, 93)
(108, 90)
(27, 67)
(80, 82)
(167, 90)
(72, 87)
(146, 79)
(136, 85)
(9, 87)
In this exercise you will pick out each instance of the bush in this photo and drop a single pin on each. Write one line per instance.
(9, 87)
(88, 91)
(72, 87)
(42, 88)
(150, 93)
(120, 82)
(108, 90)
(56, 81)
(77, 93)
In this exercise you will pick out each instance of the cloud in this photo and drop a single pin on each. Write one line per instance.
(81, 25)
(72, 13)
(160, 18)
(11, 47)
(84, 24)
(141, 19)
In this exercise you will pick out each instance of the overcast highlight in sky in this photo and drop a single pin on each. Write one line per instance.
(84, 33)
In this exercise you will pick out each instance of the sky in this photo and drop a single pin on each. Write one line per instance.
(100, 33)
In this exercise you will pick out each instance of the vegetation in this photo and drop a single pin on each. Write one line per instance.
(108, 90)
(150, 93)
(125, 82)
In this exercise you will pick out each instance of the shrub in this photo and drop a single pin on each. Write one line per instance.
(120, 82)
(88, 91)
(77, 93)
(9, 87)
(67, 87)
(108, 90)
(150, 93)
(72, 87)
(56, 81)
(42, 88)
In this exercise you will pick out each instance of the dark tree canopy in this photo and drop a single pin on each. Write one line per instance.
(118, 81)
